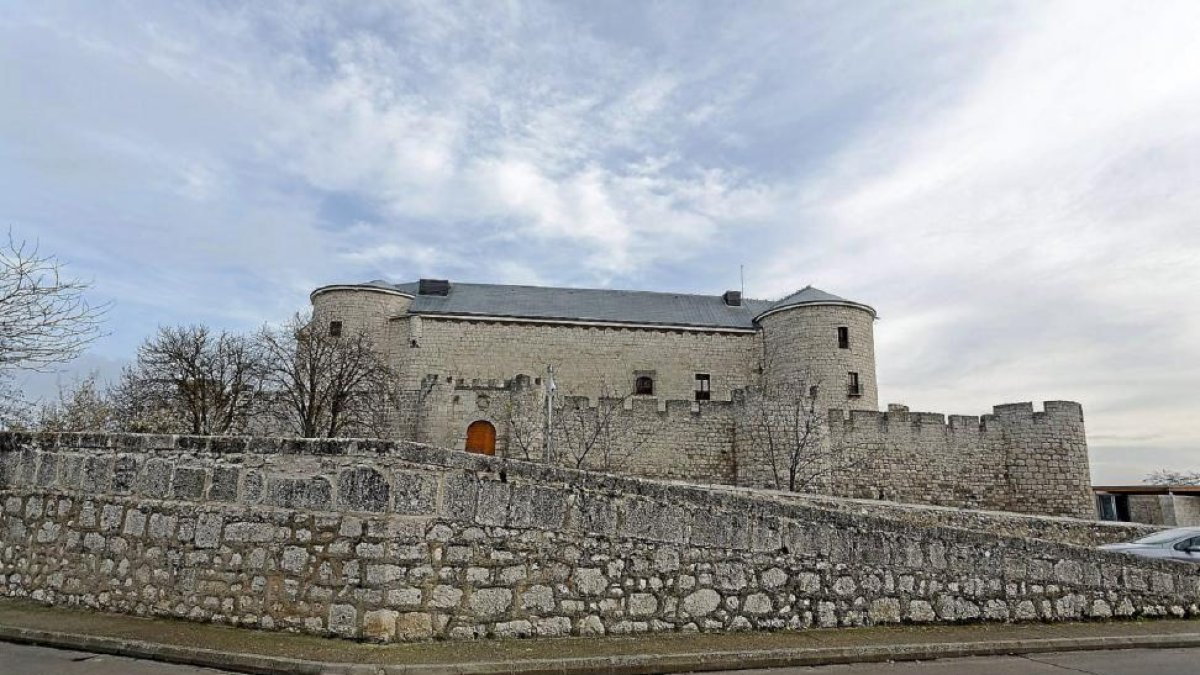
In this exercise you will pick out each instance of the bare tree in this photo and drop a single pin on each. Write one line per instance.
(524, 419)
(84, 406)
(322, 385)
(1170, 477)
(205, 383)
(44, 318)
(601, 436)
(786, 421)
(145, 405)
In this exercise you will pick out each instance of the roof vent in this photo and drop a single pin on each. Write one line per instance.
(433, 287)
(733, 298)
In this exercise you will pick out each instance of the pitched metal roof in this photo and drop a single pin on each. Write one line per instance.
(599, 305)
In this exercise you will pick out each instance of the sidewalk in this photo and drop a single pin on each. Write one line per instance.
(251, 651)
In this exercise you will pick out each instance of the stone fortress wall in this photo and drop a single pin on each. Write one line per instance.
(397, 541)
(459, 371)
(1014, 459)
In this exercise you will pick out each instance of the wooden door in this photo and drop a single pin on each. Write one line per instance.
(481, 438)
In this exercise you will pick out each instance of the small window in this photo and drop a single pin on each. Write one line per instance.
(335, 328)
(702, 387)
(843, 337)
(643, 386)
(852, 386)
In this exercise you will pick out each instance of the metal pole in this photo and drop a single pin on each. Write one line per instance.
(550, 387)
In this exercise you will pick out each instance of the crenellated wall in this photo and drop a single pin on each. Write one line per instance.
(1014, 459)
(392, 541)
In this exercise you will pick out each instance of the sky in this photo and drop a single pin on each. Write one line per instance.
(1014, 186)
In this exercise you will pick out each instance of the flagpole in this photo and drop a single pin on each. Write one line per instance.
(550, 387)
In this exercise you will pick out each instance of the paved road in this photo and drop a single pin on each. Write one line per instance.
(1117, 662)
(26, 660)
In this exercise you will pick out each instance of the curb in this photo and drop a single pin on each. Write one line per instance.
(637, 664)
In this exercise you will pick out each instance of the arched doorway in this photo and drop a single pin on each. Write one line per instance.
(481, 438)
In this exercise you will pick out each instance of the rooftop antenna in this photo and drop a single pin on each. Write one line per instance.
(742, 275)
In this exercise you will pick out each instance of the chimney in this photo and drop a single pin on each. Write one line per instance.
(733, 298)
(433, 287)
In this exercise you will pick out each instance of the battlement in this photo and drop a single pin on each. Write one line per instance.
(1005, 414)
(650, 406)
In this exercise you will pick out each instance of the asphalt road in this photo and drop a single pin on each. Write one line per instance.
(1117, 662)
(26, 660)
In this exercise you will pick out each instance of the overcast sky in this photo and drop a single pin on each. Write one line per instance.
(1014, 186)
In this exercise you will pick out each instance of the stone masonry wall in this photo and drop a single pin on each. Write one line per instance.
(1013, 460)
(399, 541)
(801, 345)
(1076, 531)
(585, 356)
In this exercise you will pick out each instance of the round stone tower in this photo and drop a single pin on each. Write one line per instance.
(371, 306)
(816, 339)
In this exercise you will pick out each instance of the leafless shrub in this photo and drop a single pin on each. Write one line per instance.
(1169, 477)
(83, 406)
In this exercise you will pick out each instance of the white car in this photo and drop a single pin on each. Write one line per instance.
(1180, 543)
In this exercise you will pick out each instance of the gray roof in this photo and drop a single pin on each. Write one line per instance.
(602, 305)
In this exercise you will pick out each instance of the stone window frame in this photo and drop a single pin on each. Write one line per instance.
(703, 387)
(641, 377)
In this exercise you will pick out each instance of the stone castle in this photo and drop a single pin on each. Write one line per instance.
(680, 370)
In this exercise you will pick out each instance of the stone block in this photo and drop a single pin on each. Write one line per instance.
(380, 625)
(596, 514)
(294, 559)
(208, 530)
(414, 626)
(363, 489)
(415, 492)
(489, 603)
(343, 620)
(647, 519)
(155, 479)
(47, 471)
(460, 495)
(700, 603)
(590, 581)
(254, 486)
(445, 597)
(224, 487)
(538, 599)
(188, 483)
(124, 474)
(300, 493)
(493, 500)
(514, 629)
(536, 506)
(884, 610)
(642, 604)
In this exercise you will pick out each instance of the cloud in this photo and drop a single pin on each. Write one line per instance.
(1011, 185)
(1042, 225)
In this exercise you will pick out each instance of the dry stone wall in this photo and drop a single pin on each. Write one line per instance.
(387, 541)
